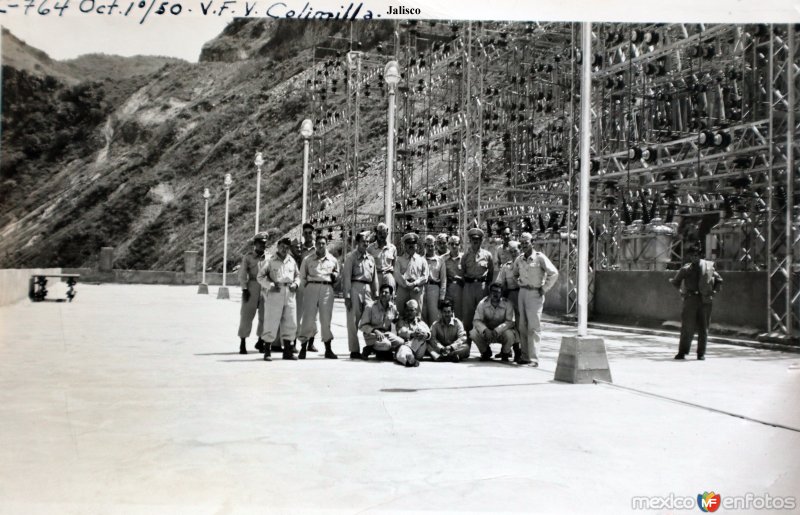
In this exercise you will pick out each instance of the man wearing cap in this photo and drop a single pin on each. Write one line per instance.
(300, 250)
(415, 334)
(535, 274)
(436, 288)
(448, 338)
(477, 267)
(384, 254)
(441, 244)
(376, 324)
(698, 282)
(359, 287)
(494, 322)
(318, 273)
(510, 286)
(455, 279)
(251, 293)
(410, 272)
(279, 279)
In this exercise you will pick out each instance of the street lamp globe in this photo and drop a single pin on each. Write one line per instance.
(259, 160)
(391, 73)
(206, 194)
(228, 180)
(306, 128)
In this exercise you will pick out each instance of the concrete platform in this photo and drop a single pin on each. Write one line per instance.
(133, 399)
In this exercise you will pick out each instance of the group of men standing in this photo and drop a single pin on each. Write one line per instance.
(449, 299)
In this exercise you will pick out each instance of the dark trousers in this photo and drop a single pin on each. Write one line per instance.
(694, 319)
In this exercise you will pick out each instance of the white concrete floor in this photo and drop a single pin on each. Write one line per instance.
(133, 399)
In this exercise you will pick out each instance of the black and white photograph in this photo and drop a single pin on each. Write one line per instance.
(362, 257)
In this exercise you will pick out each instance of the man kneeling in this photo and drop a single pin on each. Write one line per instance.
(376, 324)
(448, 339)
(415, 334)
(494, 322)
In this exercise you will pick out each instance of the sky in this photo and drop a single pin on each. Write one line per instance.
(183, 35)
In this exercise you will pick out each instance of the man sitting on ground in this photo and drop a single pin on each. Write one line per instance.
(448, 338)
(376, 324)
(494, 322)
(415, 334)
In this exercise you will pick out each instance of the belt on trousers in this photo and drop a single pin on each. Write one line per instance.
(360, 281)
(529, 287)
(512, 289)
(474, 280)
(388, 271)
(320, 282)
(435, 283)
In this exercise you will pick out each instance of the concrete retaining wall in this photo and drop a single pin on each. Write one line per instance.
(649, 296)
(92, 275)
(14, 283)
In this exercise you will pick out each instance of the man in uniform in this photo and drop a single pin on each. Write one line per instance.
(477, 268)
(376, 324)
(299, 251)
(448, 338)
(441, 244)
(511, 287)
(455, 279)
(436, 288)
(410, 272)
(415, 334)
(504, 251)
(251, 293)
(698, 282)
(384, 254)
(360, 287)
(535, 274)
(318, 272)
(494, 322)
(279, 279)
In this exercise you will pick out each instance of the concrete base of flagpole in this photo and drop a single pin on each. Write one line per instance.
(223, 293)
(581, 360)
(202, 288)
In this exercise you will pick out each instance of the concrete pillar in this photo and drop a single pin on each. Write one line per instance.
(106, 259)
(190, 261)
(581, 360)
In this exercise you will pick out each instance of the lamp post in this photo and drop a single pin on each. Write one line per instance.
(306, 131)
(203, 288)
(391, 73)
(223, 292)
(259, 163)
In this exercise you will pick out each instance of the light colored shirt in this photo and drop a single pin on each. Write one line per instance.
(276, 271)
(503, 255)
(384, 257)
(411, 271)
(535, 271)
(499, 318)
(319, 269)
(360, 268)
(375, 317)
(437, 273)
(443, 334)
(248, 271)
(407, 328)
(506, 276)
(477, 265)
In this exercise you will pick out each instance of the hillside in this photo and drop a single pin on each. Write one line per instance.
(123, 162)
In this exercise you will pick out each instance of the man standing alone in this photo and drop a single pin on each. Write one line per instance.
(318, 272)
(251, 293)
(698, 282)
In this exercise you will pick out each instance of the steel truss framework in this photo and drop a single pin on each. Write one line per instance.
(694, 137)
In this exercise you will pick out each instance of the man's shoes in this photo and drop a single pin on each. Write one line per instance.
(267, 354)
(701, 357)
(302, 354)
(680, 356)
(486, 356)
(288, 352)
(535, 364)
(416, 362)
(276, 347)
(260, 345)
(521, 361)
(242, 348)
(504, 357)
(365, 352)
(456, 358)
(311, 347)
(517, 352)
(353, 355)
